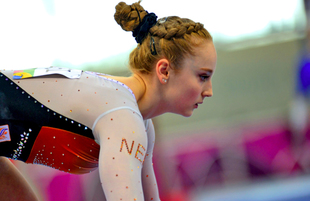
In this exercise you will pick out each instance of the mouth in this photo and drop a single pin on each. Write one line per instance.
(196, 105)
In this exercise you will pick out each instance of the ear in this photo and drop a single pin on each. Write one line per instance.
(163, 70)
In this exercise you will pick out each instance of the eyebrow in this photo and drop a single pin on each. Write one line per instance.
(207, 69)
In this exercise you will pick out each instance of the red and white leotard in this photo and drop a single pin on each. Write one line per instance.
(74, 125)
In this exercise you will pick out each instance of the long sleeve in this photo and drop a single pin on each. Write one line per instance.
(110, 109)
(123, 145)
(150, 187)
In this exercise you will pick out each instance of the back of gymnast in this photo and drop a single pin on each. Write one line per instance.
(99, 120)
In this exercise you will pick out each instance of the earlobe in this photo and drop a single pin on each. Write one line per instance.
(163, 70)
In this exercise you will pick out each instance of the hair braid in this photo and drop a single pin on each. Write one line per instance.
(173, 37)
(175, 27)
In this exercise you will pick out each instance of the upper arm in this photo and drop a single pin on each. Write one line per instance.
(123, 145)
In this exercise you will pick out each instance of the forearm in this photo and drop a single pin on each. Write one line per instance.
(150, 187)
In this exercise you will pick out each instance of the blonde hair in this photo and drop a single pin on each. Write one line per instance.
(174, 37)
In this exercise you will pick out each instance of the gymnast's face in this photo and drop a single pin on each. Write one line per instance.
(190, 85)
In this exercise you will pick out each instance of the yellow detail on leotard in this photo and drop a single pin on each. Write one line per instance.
(22, 75)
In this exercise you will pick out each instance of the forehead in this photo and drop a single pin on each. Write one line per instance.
(204, 56)
(206, 52)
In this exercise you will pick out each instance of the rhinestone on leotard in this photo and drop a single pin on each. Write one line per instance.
(21, 145)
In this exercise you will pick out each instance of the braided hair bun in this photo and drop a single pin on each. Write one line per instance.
(129, 16)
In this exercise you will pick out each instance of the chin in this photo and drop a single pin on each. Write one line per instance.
(187, 114)
(184, 113)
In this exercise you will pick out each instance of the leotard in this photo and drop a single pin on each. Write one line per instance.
(76, 125)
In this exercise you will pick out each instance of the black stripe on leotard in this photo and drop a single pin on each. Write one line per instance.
(25, 116)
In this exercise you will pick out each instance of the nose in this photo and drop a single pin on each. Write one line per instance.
(207, 92)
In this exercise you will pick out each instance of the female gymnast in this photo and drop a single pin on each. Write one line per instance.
(75, 125)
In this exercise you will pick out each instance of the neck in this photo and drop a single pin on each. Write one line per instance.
(149, 98)
(140, 86)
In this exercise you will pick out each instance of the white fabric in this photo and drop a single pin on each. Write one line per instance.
(109, 107)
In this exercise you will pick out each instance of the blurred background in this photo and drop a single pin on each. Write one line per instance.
(250, 141)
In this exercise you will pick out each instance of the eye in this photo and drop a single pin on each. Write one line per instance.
(204, 78)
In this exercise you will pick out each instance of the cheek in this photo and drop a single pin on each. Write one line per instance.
(192, 93)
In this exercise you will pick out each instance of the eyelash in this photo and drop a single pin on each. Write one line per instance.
(204, 78)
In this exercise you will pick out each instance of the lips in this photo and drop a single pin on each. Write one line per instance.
(196, 105)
